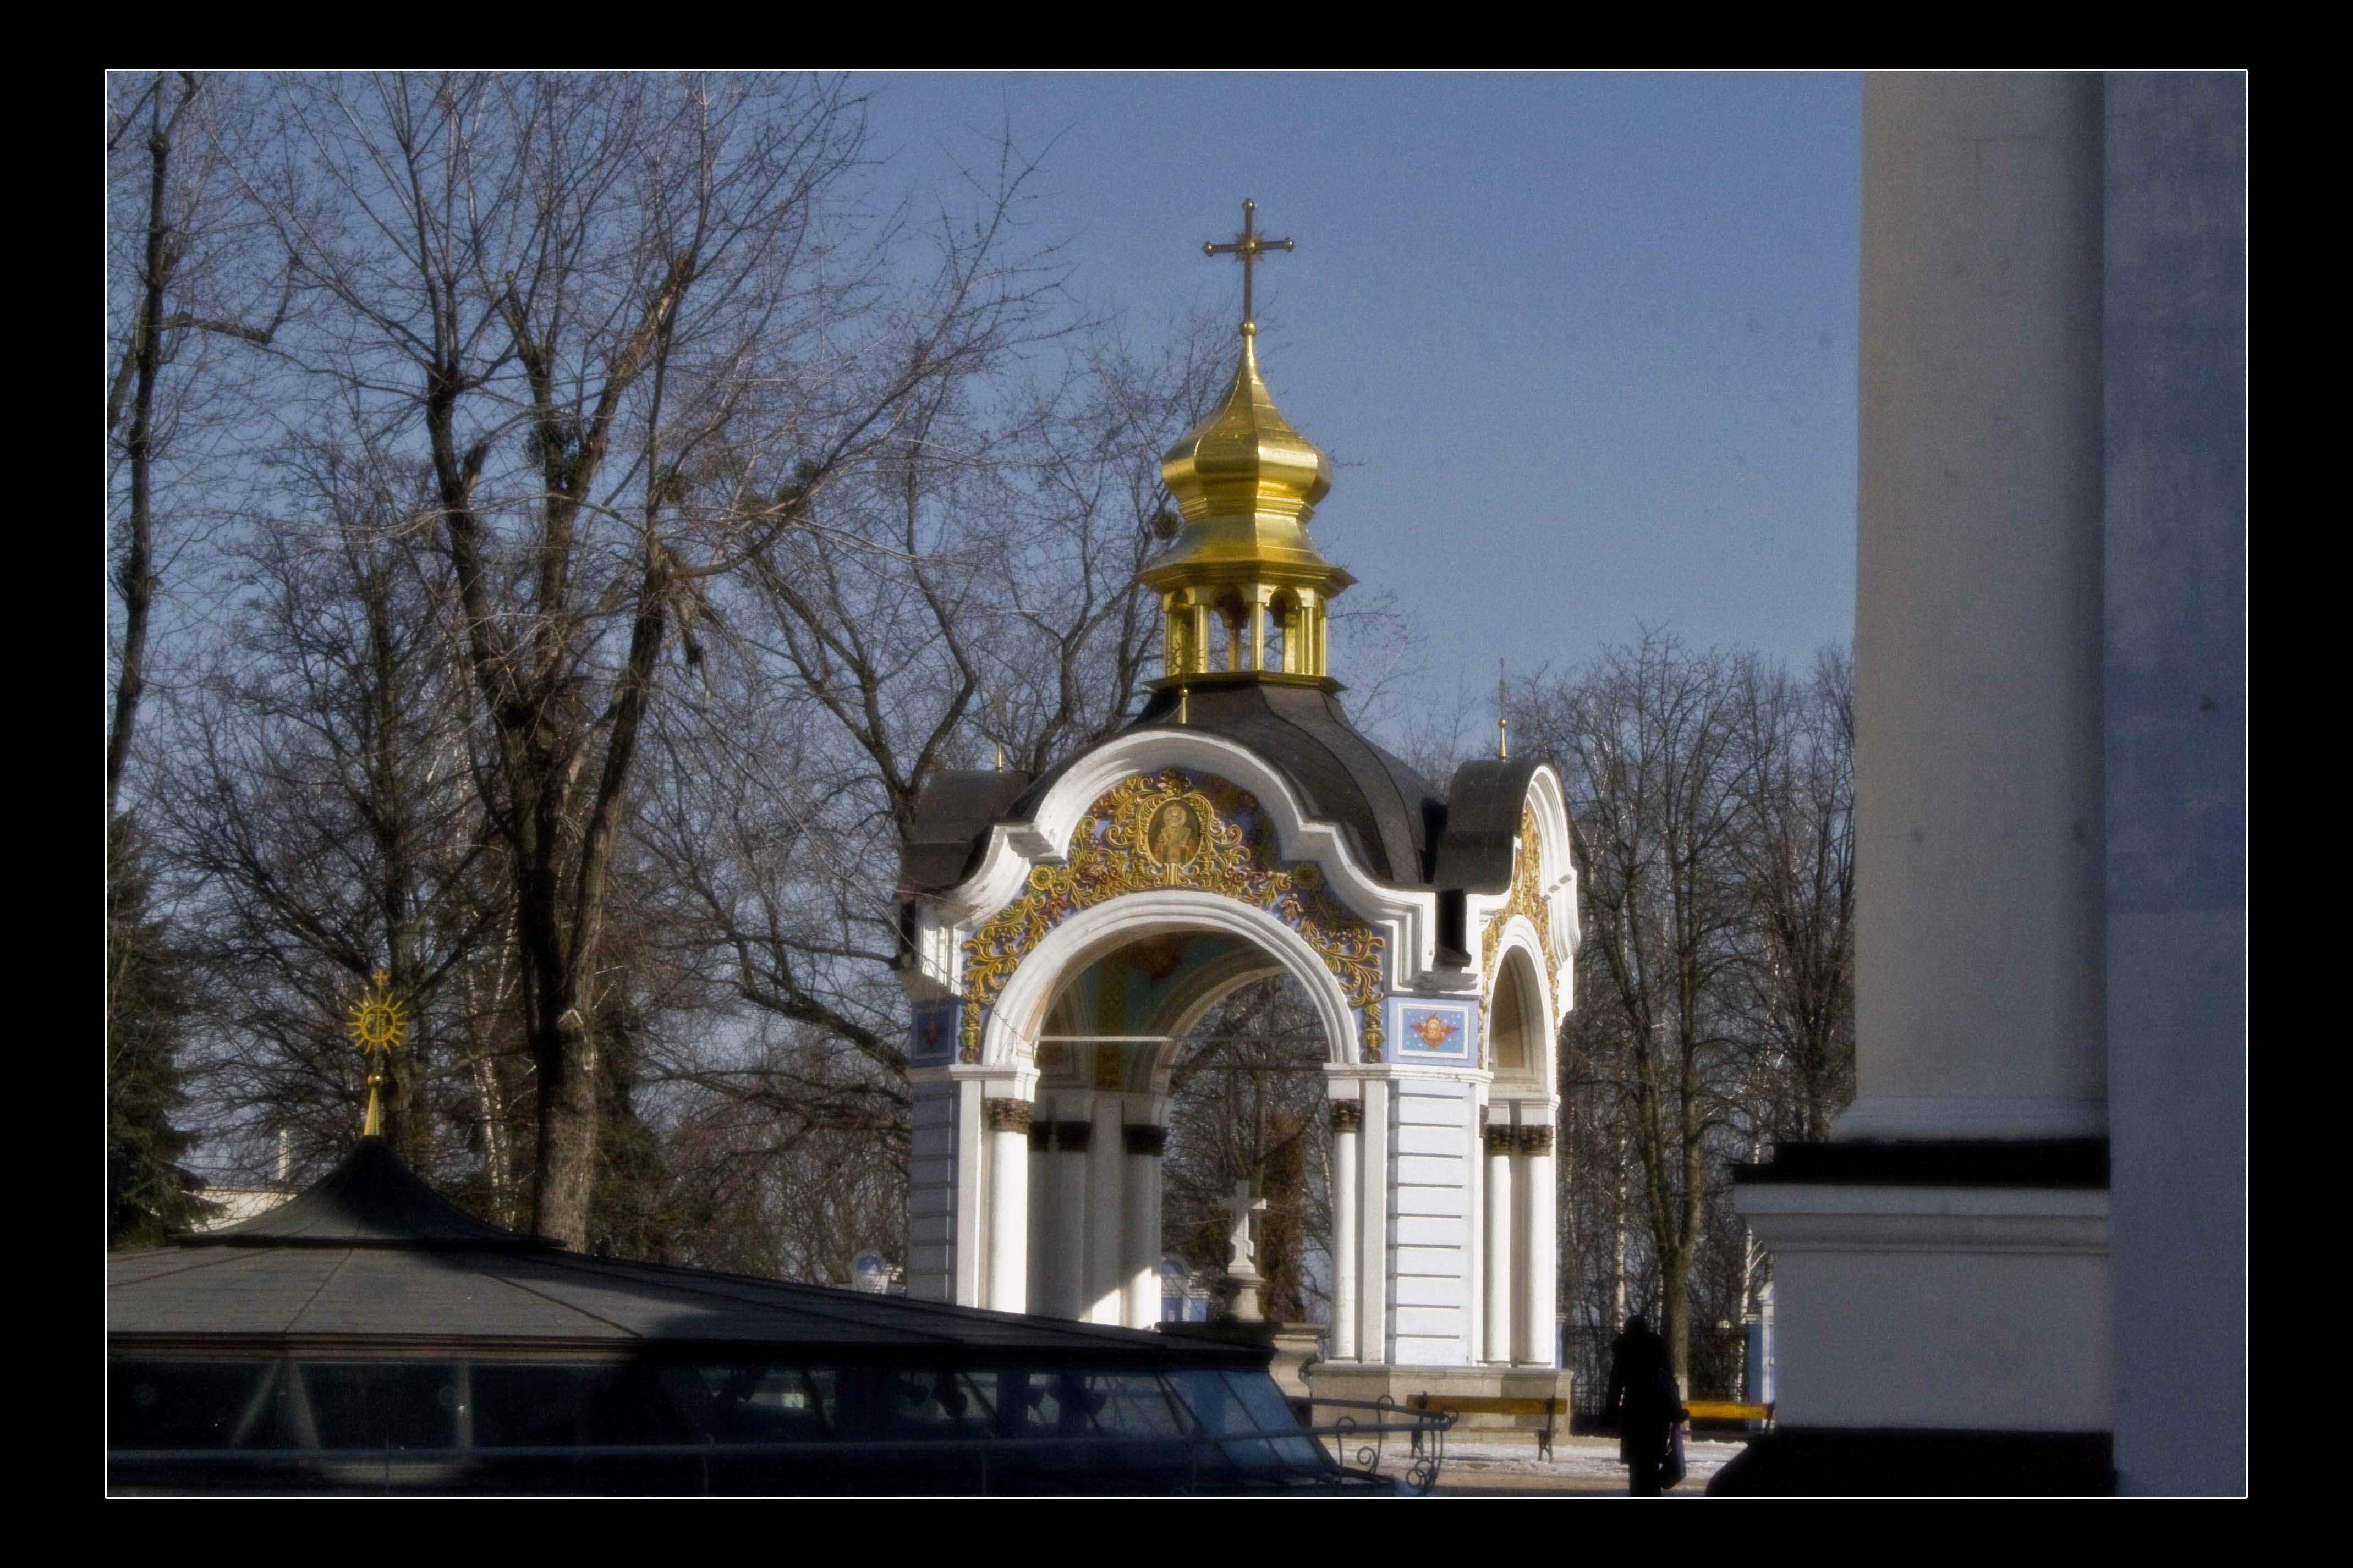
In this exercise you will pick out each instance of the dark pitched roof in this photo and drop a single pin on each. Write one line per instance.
(505, 1298)
(371, 1253)
(371, 1199)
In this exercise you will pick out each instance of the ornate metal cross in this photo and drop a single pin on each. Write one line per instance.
(1250, 245)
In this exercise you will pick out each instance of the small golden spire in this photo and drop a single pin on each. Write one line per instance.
(1243, 591)
(1000, 756)
(377, 1024)
(1184, 703)
(1503, 722)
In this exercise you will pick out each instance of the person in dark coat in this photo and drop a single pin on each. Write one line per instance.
(1642, 1400)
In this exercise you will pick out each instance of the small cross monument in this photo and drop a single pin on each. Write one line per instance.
(1243, 1267)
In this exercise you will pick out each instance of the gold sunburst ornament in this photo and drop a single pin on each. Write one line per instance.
(377, 1025)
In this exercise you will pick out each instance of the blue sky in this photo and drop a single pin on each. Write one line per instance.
(1582, 347)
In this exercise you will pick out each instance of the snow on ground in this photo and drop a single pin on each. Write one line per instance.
(1508, 1462)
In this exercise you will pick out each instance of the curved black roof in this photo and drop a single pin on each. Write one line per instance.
(1396, 822)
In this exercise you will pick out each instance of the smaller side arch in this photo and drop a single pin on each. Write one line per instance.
(1522, 984)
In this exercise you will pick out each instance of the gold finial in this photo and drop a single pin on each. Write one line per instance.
(1184, 702)
(1503, 722)
(1250, 245)
(377, 1024)
(1000, 756)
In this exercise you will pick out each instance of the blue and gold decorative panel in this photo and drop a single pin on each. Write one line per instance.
(1434, 1031)
(931, 1038)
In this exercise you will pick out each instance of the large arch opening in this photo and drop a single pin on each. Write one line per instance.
(1170, 1068)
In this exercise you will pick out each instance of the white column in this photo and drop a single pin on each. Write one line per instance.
(1536, 1344)
(1042, 1230)
(1373, 1226)
(1107, 1214)
(1144, 1143)
(1008, 1204)
(970, 1264)
(1979, 793)
(1347, 1122)
(1070, 1266)
(1497, 1283)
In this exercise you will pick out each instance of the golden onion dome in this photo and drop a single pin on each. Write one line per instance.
(1246, 480)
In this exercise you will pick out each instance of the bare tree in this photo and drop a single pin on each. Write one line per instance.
(175, 278)
(324, 817)
(633, 340)
(1647, 739)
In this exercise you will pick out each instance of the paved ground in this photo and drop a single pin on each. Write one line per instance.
(1495, 1464)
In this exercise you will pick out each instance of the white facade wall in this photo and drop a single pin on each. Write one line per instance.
(1432, 1177)
(931, 1192)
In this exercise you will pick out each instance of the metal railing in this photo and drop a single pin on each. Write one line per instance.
(1426, 1431)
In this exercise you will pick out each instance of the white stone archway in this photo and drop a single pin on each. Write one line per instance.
(1034, 1184)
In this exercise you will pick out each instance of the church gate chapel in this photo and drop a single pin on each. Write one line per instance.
(1064, 934)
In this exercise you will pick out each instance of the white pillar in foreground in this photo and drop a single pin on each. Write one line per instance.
(1144, 1141)
(1538, 1285)
(1979, 804)
(1497, 1284)
(1347, 1119)
(1009, 1203)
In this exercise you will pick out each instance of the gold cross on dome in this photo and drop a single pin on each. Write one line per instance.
(1250, 245)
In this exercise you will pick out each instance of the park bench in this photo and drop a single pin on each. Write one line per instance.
(1552, 1409)
(1726, 1410)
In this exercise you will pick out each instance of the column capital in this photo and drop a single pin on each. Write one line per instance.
(1500, 1140)
(1535, 1140)
(1072, 1137)
(1144, 1138)
(1347, 1115)
(1007, 1115)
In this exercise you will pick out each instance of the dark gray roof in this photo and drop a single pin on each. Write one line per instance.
(952, 824)
(1483, 818)
(370, 1254)
(371, 1199)
(510, 1299)
(1388, 813)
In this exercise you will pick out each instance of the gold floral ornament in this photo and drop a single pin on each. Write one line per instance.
(377, 1025)
(1527, 875)
(1174, 829)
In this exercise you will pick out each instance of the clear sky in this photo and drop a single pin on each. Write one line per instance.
(1581, 346)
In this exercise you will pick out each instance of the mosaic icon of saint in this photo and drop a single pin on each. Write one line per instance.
(1174, 837)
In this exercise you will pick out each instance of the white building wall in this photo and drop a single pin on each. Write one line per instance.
(1430, 1215)
(931, 1193)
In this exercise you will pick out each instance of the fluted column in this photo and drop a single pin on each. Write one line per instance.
(1009, 1203)
(1539, 1269)
(1347, 1125)
(1497, 1286)
(1146, 1142)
